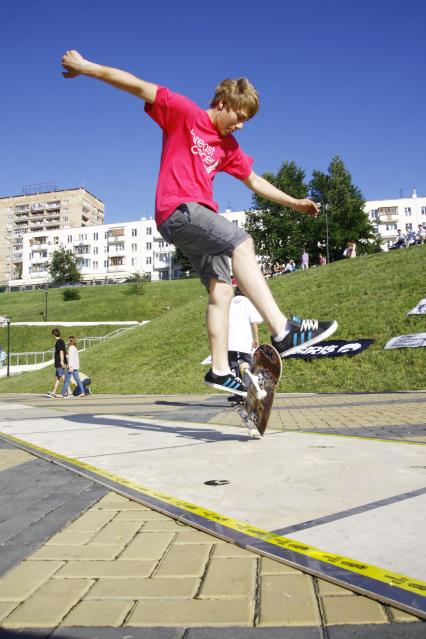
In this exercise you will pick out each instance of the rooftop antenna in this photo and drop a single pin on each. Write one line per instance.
(401, 193)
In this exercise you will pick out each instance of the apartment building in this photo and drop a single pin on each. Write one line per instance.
(387, 216)
(42, 212)
(105, 253)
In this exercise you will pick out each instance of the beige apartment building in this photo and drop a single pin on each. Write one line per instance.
(38, 212)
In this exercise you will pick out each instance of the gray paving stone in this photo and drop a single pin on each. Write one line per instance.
(77, 504)
(30, 515)
(381, 631)
(38, 532)
(36, 503)
(254, 633)
(11, 555)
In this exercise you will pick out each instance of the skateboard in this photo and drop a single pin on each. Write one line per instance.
(261, 380)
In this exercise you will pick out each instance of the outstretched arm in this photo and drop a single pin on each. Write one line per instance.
(265, 189)
(74, 65)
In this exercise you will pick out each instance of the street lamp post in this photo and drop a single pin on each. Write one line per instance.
(5, 321)
(45, 313)
(326, 233)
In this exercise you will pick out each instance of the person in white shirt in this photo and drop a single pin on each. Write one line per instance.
(72, 368)
(243, 335)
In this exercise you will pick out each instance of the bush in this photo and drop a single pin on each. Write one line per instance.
(70, 294)
(136, 284)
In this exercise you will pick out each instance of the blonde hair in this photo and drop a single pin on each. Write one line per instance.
(72, 340)
(237, 94)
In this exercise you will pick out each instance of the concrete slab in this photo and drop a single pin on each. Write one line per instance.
(344, 508)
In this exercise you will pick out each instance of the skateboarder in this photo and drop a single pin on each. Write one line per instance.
(197, 144)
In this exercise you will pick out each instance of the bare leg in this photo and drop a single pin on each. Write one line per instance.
(57, 382)
(217, 318)
(251, 281)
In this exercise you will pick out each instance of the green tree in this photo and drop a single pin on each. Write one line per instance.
(179, 259)
(63, 267)
(279, 232)
(342, 211)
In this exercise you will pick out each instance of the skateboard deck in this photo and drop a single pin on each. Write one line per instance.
(261, 381)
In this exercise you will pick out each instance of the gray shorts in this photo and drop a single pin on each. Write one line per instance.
(206, 238)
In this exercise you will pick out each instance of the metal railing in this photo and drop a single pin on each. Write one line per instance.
(31, 358)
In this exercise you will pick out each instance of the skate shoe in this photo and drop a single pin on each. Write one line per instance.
(304, 332)
(228, 383)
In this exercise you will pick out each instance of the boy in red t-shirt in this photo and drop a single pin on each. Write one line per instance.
(198, 144)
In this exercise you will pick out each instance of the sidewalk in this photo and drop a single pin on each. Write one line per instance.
(79, 560)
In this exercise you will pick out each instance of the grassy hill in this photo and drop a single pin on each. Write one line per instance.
(369, 297)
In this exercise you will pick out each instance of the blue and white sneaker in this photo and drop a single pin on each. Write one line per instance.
(228, 383)
(304, 332)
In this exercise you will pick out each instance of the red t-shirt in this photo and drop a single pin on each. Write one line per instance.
(193, 152)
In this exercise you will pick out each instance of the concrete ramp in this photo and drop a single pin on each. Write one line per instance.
(347, 509)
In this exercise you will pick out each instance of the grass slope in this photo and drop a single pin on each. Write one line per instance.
(369, 297)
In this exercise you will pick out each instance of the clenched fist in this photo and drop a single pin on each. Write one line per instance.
(73, 62)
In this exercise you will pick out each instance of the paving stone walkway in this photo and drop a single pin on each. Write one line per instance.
(77, 560)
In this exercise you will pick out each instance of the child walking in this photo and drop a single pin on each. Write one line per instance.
(72, 368)
(198, 144)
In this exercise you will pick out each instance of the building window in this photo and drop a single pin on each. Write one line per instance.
(148, 246)
(407, 211)
(423, 210)
(149, 230)
(95, 265)
(409, 227)
(134, 232)
(95, 250)
(69, 239)
(105, 263)
(134, 248)
(133, 261)
(95, 236)
(116, 232)
(148, 260)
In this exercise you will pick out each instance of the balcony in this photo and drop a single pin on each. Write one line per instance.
(161, 261)
(116, 239)
(119, 268)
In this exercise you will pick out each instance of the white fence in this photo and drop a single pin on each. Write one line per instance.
(33, 360)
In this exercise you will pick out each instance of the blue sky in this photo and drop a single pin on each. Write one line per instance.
(335, 77)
